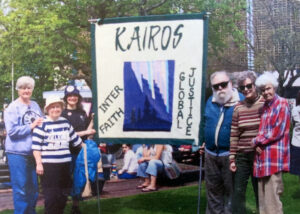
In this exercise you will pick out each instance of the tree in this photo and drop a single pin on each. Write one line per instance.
(226, 40)
(277, 43)
(50, 40)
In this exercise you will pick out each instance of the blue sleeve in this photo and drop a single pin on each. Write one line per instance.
(13, 125)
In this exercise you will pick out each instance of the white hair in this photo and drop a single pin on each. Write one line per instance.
(266, 78)
(213, 75)
(25, 81)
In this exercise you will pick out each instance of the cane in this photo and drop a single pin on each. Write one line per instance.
(199, 185)
(98, 194)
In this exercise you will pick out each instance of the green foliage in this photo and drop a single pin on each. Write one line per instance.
(50, 40)
(225, 21)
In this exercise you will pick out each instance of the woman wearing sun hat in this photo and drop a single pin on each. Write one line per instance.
(50, 145)
(83, 125)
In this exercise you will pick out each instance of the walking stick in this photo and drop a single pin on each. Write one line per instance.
(199, 185)
(98, 194)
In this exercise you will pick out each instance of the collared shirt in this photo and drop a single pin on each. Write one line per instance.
(273, 138)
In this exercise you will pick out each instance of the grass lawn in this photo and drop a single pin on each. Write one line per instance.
(181, 200)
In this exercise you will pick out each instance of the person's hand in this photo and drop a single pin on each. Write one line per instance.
(37, 122)
(90, 131)
(232, 166)
(258, 150)
(201, 150)
(141, 160)
(92, 116)
(39, 169)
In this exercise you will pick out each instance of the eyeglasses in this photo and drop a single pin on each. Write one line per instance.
(248, 86)
(221, 84)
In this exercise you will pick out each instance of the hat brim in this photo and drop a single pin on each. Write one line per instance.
(47, 106)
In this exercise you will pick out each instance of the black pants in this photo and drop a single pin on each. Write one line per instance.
(244, 164)
(219, 185)
(56, 184)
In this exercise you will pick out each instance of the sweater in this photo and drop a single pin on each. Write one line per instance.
(244, 126)
(18, 118)
(53, 139)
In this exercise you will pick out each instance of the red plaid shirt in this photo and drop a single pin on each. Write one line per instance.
(273, 138)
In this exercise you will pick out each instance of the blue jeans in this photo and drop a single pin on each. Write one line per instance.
(24, 183)
(126, 175)
(152, 167)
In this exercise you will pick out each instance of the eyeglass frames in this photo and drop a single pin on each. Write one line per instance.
(221, 84)
(248, 86)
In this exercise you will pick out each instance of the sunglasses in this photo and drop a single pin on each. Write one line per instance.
(248, 86)
(221, 84)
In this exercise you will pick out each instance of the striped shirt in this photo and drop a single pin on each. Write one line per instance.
(244, 126)
(273, 138)
(53, 139)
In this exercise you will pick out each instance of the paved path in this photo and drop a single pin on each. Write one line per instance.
(6, 200)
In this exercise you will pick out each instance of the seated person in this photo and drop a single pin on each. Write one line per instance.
(130, 166)
(109, 164)
(152, 163)
(139, 151)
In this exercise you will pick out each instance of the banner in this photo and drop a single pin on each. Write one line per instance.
(149, 78)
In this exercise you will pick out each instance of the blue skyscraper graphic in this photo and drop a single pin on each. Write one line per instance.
(148, 97)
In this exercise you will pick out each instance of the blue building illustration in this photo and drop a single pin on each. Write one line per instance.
(148, 97)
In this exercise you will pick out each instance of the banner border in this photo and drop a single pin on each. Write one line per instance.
(204, 16)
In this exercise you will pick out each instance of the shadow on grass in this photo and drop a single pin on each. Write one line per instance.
(182, 200)
(159, 202)
(296, 195)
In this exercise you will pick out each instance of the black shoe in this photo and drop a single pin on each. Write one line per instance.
(75, 210)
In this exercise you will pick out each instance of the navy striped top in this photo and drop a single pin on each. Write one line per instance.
(53, 139)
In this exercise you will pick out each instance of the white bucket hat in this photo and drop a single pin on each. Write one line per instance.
(53, 99)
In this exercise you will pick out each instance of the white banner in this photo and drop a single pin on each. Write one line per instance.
(148, 79)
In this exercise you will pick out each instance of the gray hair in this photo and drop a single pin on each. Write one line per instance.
(213, 75)
(266, 78)
(246, 75)
(24, 81)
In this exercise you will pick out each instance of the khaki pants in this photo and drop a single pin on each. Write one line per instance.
(270, 189)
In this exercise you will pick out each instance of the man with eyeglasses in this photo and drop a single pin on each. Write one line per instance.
(218, 117)
(272, 146)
